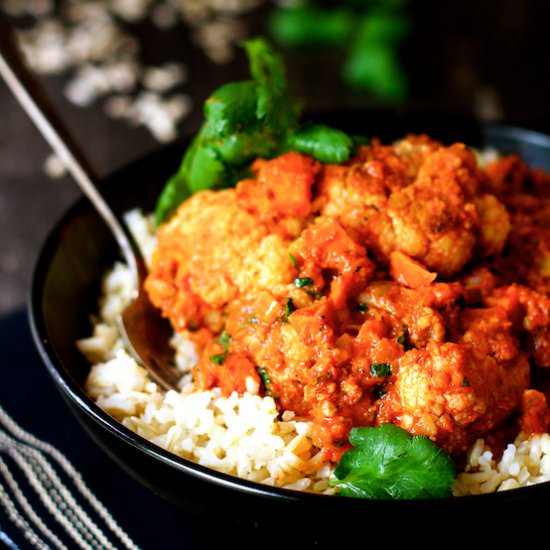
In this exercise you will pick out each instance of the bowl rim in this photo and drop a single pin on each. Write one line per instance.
(76, 394)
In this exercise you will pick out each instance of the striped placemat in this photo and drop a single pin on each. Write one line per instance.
(46, 499)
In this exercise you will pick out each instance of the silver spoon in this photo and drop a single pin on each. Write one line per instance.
(146, 333)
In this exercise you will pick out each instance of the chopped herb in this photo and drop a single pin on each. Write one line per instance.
(219, 358)
(381, 369)
(302, 282)
(402, 338)
(362, 307)
(465, 382)
(289, 308)
(264, 376)
(387, 462)
(253, 320)
(266, 380)
(292, 260)
(224, 339)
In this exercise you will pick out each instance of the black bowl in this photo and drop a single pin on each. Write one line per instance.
(64, 292)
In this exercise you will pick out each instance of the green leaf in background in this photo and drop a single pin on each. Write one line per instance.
(376, 5)
(311, 26)
(386, 462)
(375, 67)
(324, 143)
(368, 32)
(372, 62)
(381, 28)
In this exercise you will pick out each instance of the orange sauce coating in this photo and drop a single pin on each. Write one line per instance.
(409, 285)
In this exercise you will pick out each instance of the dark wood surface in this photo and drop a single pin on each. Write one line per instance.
(460, 57)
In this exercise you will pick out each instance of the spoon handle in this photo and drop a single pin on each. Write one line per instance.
(28, 92)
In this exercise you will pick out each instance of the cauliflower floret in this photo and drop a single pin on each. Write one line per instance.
(199, 252)
(452, 394)
(494, 223)
(433, 228)
(223, 245)
(434, 219)
(296, 268)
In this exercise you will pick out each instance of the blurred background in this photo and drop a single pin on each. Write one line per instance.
(130, 76)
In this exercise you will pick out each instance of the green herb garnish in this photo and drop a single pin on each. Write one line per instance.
(381, 369)
(306, 25)
(243, 121)
(303, 282)
(224, 339)
(263, 375)
(387, 462)
(322, 142)
(289, 308)
(368, 35)
(266, 380)
(218, 358)
(292, 259)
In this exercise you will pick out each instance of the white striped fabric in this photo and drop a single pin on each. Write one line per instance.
(32, 470)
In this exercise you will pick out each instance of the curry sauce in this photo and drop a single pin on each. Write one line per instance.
(409, 285)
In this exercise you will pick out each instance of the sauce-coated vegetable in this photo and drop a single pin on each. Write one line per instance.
(408, 285)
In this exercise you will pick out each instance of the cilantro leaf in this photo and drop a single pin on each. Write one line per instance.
(289, 309)
(387, 462)
(379, 27)
(275, 105)
(265, 378)
(243, 121)
(201, 168)
(231, 106)
(324, 143)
